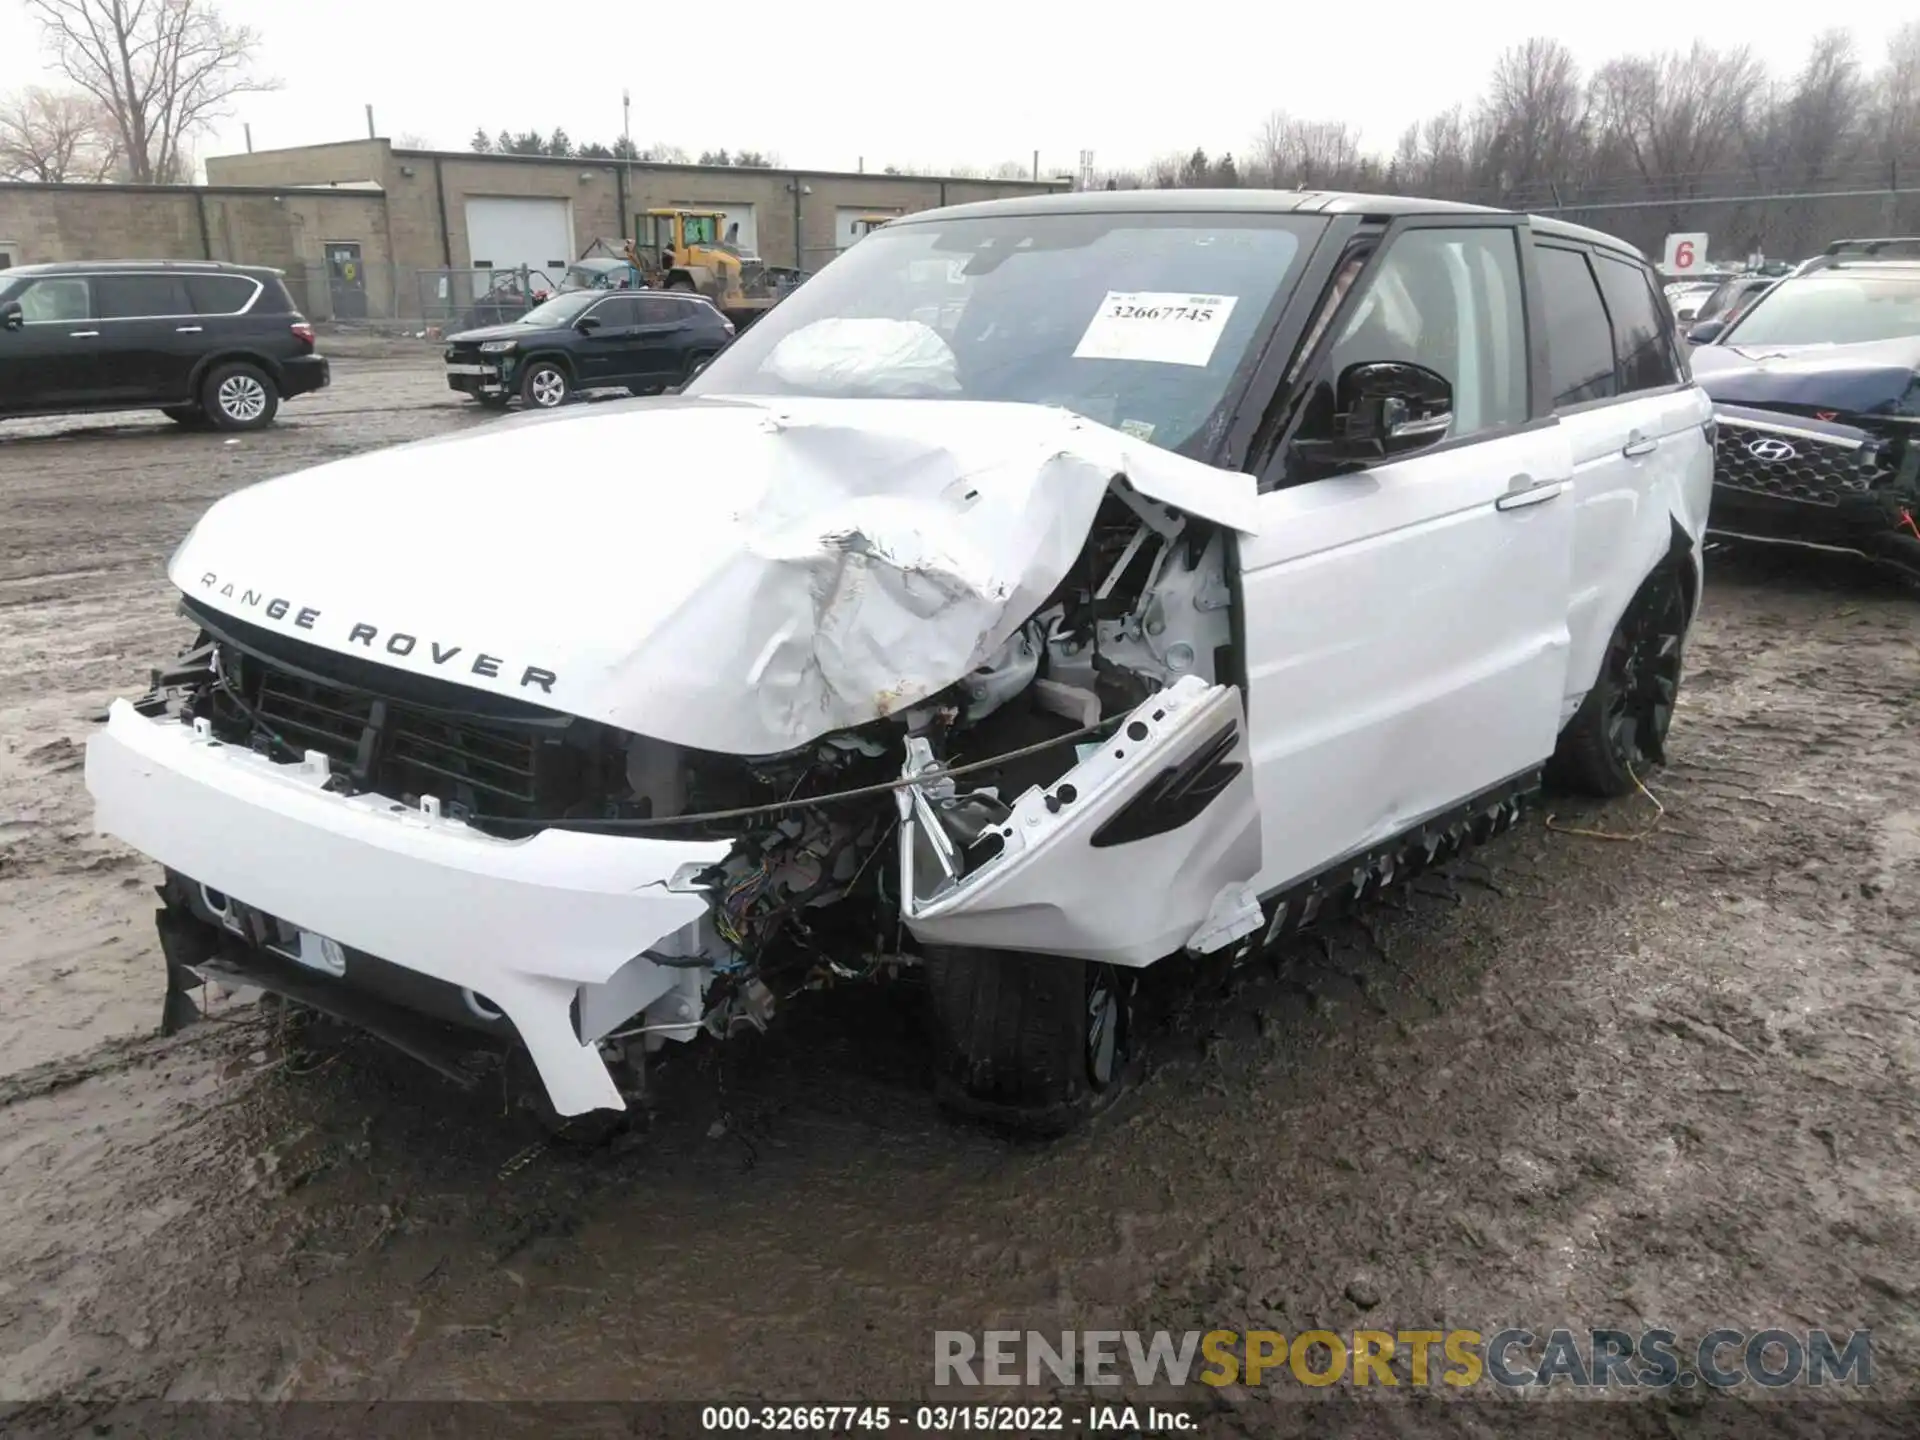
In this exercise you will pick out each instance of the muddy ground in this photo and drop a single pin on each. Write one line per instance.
(1661, 1081)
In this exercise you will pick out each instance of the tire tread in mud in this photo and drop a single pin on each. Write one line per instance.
(1011, 1036)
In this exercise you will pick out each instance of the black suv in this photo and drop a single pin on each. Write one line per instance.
(204, 342)
(638, 340)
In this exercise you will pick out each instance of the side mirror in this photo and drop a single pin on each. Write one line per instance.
(12, 316)
(1383, 410)
(587, 324)
(1685, 314)
(1706, 332)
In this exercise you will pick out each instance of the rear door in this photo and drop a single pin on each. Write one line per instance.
(1634, 428)
(1405, 624)
(670, 328)
(144, 322)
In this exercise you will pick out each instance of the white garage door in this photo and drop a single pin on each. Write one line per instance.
(505, 234)
(844, 217)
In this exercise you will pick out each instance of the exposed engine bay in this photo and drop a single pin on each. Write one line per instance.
(842, 852)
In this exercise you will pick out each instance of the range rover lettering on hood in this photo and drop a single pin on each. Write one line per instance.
(441, 654)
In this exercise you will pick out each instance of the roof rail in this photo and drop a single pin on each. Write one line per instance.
(1873, 245)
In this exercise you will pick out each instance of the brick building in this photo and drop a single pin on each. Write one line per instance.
(363, 228)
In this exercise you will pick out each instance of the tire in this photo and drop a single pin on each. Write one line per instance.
(1033, 1043)
(493, 402)
(190, 417)
(545, 386)
(239, 396)
(1620, 729)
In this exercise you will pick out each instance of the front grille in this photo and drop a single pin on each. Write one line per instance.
(397, 750)
(1805, 466)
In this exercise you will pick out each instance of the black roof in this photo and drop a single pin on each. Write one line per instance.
(115, 267)
(1271, 202)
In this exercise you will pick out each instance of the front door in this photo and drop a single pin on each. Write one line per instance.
(602, 352)
(346, 280)
(52, 360)
(1406, 623)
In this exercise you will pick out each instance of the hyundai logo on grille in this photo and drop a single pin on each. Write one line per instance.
(1771, 450)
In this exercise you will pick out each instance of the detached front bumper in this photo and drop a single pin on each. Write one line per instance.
(544, 928)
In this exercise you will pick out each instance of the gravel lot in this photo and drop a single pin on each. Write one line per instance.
(1670, 1080)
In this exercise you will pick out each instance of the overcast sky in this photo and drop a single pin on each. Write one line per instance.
(973, 82)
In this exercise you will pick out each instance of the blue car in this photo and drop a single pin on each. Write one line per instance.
(1817, 401)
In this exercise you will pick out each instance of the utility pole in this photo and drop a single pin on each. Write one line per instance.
(626, 158)
(372, 134)
(249, 133)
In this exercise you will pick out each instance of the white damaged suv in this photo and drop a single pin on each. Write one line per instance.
(1046, 588)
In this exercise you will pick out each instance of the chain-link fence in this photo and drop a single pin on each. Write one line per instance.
(416, 300)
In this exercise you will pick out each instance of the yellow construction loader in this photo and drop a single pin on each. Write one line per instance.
(682, 250)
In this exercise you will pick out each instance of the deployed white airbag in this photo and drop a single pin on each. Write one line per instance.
(869, 356)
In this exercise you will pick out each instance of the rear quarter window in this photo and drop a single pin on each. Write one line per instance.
(1579, 339)
(1641, 345)
(221, 294)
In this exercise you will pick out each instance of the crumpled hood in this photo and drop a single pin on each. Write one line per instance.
(736, 575)
(1877, 378)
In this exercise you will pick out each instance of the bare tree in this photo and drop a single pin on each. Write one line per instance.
(163, 69)
(1896, 101)
(1291, 152)
(1535, 119)
(1827, 111)
(55, 135)
(1679, 118)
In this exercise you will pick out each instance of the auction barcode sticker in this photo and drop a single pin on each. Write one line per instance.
(1157, 326)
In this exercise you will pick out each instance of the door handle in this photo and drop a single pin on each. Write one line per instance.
(187, 329)
(83, 334)
(1524, 490)
(1638, 445)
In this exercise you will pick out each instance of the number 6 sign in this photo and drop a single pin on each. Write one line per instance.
(1686, 254)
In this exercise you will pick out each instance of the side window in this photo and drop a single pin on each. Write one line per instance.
(1639, 339)
(1449, 300)
(622, 312)
(55, 301)
(219, 294)
(1579, 339)
(655, 311)
(134, 297)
